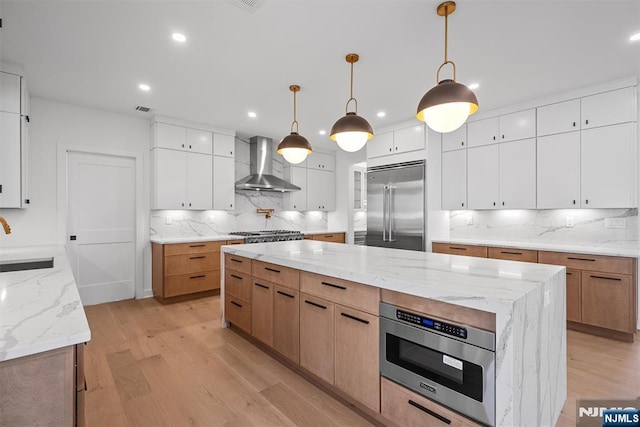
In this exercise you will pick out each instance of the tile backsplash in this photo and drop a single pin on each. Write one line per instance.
(549, 226)
(244, 218)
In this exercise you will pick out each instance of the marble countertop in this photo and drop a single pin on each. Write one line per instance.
(486, 284)
(581, 249)
(40, 310)
(220, 237)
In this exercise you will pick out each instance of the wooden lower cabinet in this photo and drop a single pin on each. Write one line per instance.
(329, 237)
(357, 367)
(238, 312)
(286, 322)
(43, 389)
(402, 407)
(456, 249)
(513, 254)
(607, 301)
(262, 311)
(574, 295)
(317, 336)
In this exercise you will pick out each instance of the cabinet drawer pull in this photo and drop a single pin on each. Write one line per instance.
(236, 304)
(236, 276)
(197, 246)
(261, 286)
(617, 279)
(236, 260)
(285, 294)
(457, 248)
(272, 269)
(357, 319)
(430, 412)
(314, 304)
(197, 257)
(581, 259)
(334, 286)
(510, 253)
(569, 273)
(199, 276)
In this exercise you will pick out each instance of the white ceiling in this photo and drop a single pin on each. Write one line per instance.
(95, 53)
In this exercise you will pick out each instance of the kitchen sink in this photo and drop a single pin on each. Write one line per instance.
(27, 264)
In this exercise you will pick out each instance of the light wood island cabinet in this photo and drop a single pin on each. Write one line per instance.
(317, 336)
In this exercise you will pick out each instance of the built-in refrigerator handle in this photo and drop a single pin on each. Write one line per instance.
(384, 213)
(391, 212)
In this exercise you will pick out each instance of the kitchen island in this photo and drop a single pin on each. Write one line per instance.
(526, 300)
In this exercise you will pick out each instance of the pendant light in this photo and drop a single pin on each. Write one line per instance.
(447, 105)
(294, 147)
(351, 132)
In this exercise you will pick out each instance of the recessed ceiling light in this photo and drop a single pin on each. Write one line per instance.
(323, 132)
(179, 37)
(252, 114)
(474, 86)
(144, 87)
(381, 114)
(635, 37)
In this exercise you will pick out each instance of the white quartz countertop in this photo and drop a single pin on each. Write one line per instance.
(40, 310)
(486, 284)
(581, 249)
(191, 239)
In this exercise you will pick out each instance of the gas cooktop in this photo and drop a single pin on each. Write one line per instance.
(268, 235)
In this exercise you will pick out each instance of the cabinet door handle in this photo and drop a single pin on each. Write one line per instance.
(197, 257)
(272, 269)
(430, 412)
(236, 304)
(586, 122)
(314, 304)
(502, 203)
(197, 246)
(617, 279)
(574, 124)
(462, 143)
(285, 294)
(463, 204)
(200, 276)
(236, 277)
(494, 203)
(334, 286)
(261, 286)
(503, 136)
(357, 319)
(510, 253)
(581, 259)
(457, 248)
(236, 260)
(574, 202)
(569, 273)
(494, 138)
(586, 201)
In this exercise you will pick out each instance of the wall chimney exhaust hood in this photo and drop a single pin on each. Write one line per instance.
(260, 178)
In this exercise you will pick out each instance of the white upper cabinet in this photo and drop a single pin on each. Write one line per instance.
(558, 166)
(608, 108)
(454, 180)
(608, 166)
(199, 181)
(380, 145)
(296, 200)
(321, 161)
(321, 193)
(407, 139)
(199, 141)
(516, 126)
(169, 179)
(456, 140)
(224, 192)
(483, 132)
(223, 145)
(169, 136)
(10, 163)
(559, 118)
(10, 95)
(518, 174)
(483, 177)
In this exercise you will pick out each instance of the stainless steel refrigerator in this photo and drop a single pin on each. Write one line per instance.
(396, 206)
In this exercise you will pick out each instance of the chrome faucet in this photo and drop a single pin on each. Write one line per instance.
(5, 225)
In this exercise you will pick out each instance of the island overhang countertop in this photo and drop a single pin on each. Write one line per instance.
(528, 301)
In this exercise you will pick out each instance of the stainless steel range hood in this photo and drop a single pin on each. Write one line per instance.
(260, 170)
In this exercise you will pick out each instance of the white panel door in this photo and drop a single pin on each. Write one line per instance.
(224, 190)
(409, 139)
(456, 140)
(380, 145)
(603, 109)
(199, 141)
(558, 166)
(169, 178)
(518, 174)
(558, 118)
(483, 132)
(10, 160)
(483, 177)
(223, 145)
(324, 161)
(9, 93)
(454, 179)
(607, 160)
(170, 136)
(296, 200)
(101, 225)
(199, 181)
(516, 126)
(321, 194)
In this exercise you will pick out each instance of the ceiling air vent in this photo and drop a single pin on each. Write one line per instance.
(143, 109)
(248, 5)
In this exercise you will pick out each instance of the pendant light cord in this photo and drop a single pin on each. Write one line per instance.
(351, 93)
(295, 119)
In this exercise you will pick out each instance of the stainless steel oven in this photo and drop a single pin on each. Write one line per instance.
(451, 364)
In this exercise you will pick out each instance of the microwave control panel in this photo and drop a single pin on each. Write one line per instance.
(429, 323)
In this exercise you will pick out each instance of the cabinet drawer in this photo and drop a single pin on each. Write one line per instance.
(405, 408)
(513, 254)
(186, 264)
(191, 283)
(612, 264)
(235, 242)
(283, 276)
(455, 249)
(238, 312)
(333, 237)
(341, 291)
(191, 248)
(238, 263)
(238, 284)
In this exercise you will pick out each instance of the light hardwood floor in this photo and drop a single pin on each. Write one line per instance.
(150, 364)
